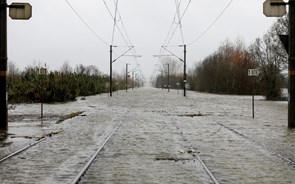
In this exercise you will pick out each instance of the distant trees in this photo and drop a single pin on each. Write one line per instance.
(224, 71)
(58, 86)
(271, 59)
(175, 73)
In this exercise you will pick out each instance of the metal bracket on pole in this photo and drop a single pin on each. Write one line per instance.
(172, 53)
(123, 53)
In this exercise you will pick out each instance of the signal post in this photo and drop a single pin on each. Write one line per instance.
(20, 11)
(277, 8)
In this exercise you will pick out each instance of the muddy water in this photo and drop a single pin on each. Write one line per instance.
(159, 141)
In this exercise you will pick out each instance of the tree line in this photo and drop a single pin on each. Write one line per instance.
(29, 86)
(226, 70)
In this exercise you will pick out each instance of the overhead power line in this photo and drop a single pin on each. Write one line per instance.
(179, 20)
(85, 23)
(119, 25)
(173, 28)
(212, 24)
(115, 21)
(177, 13)
(117, 12)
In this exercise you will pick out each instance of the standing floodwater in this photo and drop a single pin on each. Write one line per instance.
(161, 137)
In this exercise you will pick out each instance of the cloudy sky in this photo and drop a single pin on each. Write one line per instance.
(56, 34)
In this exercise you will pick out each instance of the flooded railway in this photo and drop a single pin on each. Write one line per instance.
(152, 136)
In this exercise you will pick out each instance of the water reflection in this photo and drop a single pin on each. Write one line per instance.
(290, 132)
(3, 136)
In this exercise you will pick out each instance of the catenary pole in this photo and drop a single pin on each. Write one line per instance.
(132, 80)
(111, 70)
(168, 86)
(3, 65)
(184, 71)
(126, 77)
(291, 108)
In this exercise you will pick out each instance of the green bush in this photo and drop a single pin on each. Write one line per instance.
(29, 87)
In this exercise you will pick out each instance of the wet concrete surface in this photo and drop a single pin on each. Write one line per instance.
(159, 141)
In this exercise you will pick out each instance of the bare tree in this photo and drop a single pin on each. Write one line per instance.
(224, 71)
(271, 58)
(66, 68)
(92, 70)
(13, 69)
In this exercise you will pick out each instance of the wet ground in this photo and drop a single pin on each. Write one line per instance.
(161, 139)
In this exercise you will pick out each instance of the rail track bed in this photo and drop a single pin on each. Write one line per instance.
(161, 139)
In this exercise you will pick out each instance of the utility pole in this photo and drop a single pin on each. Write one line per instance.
(162, 85)
(127, 76)
(168, 86)
(20, 11)
(132, 80)
(112, 61)
(253, 93)
(291, 109)
(184, 65)
(3, 65)
(184, 71)
(136, 80)
(111, 70)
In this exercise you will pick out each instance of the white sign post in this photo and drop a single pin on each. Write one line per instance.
(253, 73)
(278, 10)
(20, 11)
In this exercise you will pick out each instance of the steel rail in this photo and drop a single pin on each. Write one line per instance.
(22, 149)
(214, 180)
(85, 168)
(208, 171)
(286, 160)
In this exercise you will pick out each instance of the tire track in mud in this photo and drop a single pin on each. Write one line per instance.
(261, 147)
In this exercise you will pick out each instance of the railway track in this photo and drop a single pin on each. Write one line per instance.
(28, 146)
(78, 178)
(206, 168)
(22, 150)
(265, 149)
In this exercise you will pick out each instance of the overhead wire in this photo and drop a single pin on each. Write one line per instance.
(127, 41)
(212, 24)
(115, 21)
(120, 20)
(179, 20)
(173, 28)
(125, 36)
(113, 18)
(117, 18)
(169, 37)
(85, 23)
(170, 30)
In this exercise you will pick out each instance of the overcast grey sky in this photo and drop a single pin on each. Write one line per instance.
(55, 33)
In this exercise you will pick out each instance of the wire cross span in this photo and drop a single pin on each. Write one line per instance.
(175, 25)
